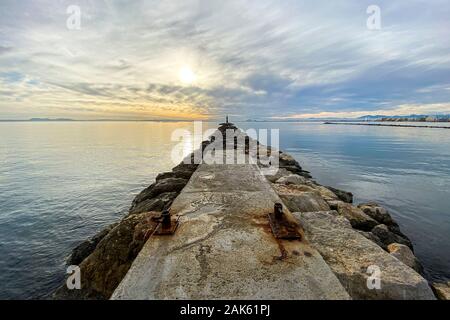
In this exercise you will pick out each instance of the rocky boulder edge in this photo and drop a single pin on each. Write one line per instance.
(104, 268)
(364, 222)
(105, 258)
(302, 194)
(355, 259)
(442, 290)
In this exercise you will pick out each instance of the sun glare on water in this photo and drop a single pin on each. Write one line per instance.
(187, 76)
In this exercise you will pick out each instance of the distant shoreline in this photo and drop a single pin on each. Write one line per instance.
(101, 120)
(347, 121)
(387, 125)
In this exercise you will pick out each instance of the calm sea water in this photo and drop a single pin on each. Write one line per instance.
(62, 182)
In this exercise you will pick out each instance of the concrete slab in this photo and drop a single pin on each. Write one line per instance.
(224, 247)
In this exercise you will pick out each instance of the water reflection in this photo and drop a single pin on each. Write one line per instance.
(62, 182)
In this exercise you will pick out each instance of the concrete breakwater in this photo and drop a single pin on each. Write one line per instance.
(224, 246)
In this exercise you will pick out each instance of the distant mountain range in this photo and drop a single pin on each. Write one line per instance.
(50, 119)
(378, 117)
(411, 117)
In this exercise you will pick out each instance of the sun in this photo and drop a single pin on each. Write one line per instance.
(187, 76)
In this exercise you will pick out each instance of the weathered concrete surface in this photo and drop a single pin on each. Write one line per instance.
(350, 254)
(224, 247)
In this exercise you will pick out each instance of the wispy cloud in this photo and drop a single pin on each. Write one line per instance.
(252, 59)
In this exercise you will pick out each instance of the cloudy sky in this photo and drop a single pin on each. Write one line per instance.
(203, 59)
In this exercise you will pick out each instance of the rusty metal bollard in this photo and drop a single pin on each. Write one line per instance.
(166, 220)
(278, 210)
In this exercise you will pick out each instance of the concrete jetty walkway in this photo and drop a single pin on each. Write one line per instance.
(224, 247)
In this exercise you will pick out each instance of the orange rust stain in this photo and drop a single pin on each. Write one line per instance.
(283, 252)
(261, 220)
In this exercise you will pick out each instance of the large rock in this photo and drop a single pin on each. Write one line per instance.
(166, 175)
(297, 170)
(305, 202)
(381, 215)
(168, 185)
(292, 179)
(294, 189)
(287, 160)
(280, 173)
(358, 219)
(159, 187)
(350, 254)
(324, 192)
(405, 255)
(373, 238)
(342, 195)
(104, 268)
(442, 290)
(300, 198)
(183, 172)
(388, 237)
(84, 249)
(186, 167)
(158, 203)
(377, 212)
